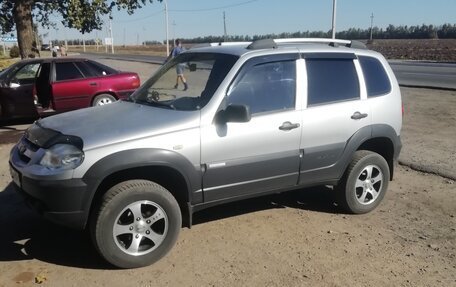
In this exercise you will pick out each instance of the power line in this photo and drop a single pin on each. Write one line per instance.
(188, 10)
(214, 8)
(142, 18)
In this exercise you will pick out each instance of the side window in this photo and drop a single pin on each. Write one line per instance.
(26, 74)
(99, 69)
(265, 87)
(67, 71)
(331, 80)
(377, 80)
(84, 69)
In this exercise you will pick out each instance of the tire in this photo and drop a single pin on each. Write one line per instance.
(103, 99)
(365, 182)
(136, 224)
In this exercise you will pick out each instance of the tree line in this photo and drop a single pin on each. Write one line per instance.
(445, 31)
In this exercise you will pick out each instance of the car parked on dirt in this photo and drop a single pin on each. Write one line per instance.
(38, 87)
(257, 118)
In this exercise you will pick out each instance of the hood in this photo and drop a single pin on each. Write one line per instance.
(118, 122)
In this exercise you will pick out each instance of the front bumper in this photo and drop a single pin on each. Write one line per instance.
(61, 201)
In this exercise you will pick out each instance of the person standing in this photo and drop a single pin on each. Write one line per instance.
(54, 51)
(63, 52)
(180, 67)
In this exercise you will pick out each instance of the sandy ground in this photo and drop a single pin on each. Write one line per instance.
(298, 238)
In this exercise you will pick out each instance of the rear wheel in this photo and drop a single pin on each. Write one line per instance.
(103, 99)
(365, 182)
(137, 223)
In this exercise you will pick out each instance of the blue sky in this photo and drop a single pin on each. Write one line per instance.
(193, 18)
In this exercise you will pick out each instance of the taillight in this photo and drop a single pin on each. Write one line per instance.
(403, 110)
(136, 82)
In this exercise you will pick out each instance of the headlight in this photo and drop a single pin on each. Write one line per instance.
(62, 156)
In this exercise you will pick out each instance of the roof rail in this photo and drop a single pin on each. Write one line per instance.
(219, 44)
(272, 43)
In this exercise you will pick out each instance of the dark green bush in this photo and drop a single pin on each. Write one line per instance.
(14, 52)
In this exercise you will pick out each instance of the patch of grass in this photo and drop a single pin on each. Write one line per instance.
(5, 63)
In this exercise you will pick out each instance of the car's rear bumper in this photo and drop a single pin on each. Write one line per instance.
(124, 94)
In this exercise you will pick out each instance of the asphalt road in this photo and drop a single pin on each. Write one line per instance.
(425, 74)
(408, 73)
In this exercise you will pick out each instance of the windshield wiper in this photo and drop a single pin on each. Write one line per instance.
(154, 104)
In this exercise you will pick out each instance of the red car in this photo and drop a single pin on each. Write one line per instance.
(37, 87)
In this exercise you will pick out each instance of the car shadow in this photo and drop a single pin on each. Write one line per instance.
(320, 199)
(26, 235)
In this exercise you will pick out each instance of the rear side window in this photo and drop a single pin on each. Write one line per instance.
(85, 69)
(331, 80)
(67, 71)
(99, 69)
(377, 80)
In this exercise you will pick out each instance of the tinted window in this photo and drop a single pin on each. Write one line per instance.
(377, 80)
(331, 80)
(85, 69)
(99, 69)
(67, 71)
(265, 87)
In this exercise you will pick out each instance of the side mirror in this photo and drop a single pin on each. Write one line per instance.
(234, 114)
(192, 67)
(14, 85)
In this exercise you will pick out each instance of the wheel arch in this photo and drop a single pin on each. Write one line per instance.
(384, 147)
(379, 138)
(98, 93)
(169, 169)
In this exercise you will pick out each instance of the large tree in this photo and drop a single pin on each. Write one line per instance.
(83, 15)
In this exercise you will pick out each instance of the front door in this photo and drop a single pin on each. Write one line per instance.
(262, 154)
(17, 99)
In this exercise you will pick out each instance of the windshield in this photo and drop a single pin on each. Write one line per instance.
(187, 82)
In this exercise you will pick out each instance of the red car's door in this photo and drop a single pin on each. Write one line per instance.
(70, 89)
(16, 95)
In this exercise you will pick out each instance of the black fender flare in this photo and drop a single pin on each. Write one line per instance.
(142, 157)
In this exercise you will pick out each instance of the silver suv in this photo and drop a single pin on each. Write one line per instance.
(257, 118)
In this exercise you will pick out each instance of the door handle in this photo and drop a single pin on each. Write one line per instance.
(92, 84)
(358, 116)
(286, 126)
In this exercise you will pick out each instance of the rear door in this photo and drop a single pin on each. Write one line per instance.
(70, 88)
(335, 108)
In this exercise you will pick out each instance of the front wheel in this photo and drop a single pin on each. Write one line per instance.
(137, 223)
(365, 182)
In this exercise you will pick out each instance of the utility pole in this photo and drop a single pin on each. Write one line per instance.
(224, 27)
(125, 44)
(334, 19)
(110, 35)
(372, 26)
(167, 28)
(83, 43)
(174, 32)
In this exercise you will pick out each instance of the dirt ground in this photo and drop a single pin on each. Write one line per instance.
(441, 50)
(298, 238)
